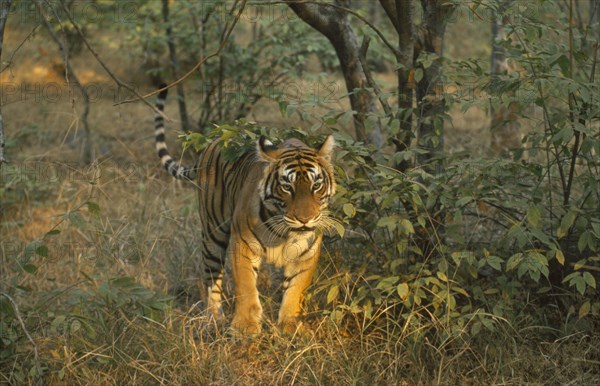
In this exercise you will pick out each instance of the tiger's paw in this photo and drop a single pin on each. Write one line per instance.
(291, 326)
(246, 326)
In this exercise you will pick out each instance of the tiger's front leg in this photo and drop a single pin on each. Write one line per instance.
(246, 261)
(298, 275)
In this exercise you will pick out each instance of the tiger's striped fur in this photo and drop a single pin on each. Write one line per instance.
(269, 205)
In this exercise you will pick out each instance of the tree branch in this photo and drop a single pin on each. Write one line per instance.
(87, 153)
(363, 60)
(24, 328)
(315, 16)
(332, 23)
(389, 6)
(12, 55)
(197, 66)
(119, 83)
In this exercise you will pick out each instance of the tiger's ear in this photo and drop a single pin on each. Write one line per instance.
(265, 149)
(326, 148)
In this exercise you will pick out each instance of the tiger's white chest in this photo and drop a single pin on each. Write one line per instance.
(297, 247)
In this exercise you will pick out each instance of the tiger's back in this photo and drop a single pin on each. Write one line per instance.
(270, 204)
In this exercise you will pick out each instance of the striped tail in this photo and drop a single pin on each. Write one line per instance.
(174, 168)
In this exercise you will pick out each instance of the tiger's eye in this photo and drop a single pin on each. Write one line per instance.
(286, 188)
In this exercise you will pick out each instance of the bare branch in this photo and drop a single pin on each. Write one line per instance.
(362, 57)
(293, 3)
(389, 6)
(119, 83)
(333, 23)
(12, 55)
(198, 65)
(20, 319)
(70, 73)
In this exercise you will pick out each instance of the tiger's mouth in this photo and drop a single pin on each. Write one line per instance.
(302, 229)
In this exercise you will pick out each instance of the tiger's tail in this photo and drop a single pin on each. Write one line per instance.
(174, 168)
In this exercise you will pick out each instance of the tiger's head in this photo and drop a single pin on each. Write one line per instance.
(297, 185)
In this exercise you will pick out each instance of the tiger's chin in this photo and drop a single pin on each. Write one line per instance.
(302, 229)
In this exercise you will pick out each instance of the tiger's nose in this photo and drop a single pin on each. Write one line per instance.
(304, 219)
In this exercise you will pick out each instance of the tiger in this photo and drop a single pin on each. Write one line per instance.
(269, 205)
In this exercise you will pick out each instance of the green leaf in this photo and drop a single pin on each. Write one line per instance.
(418, 74)
(42, 251)
(584, 240)
(125, 281)
(389, 221)
(560, 257)
(330, 121)
(589, 279)
(333, 293)
(349, 209)
(442, 276)
(580, 264)
(584, 310)
(387, 282)
(402, 290)
(563, 63)
(290, 110)
(566, 223)
(533, 216)
(93, 208)
(494, 262)
(76, 219)
(30, 268)
(514, 261)
(406, 227)
(463, 201)
(339, 228)
(579, 283)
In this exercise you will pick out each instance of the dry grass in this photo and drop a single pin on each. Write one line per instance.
(146, 230)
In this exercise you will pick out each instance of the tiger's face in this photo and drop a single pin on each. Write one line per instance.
(297, 185)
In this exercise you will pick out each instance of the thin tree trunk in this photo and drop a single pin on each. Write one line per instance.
(595, 17)
(430, 133)
(71, 76)
(185, 121)
(402, 13)
(4, 9)
(504, 127)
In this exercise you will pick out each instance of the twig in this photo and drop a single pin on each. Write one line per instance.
(18, 316)
(87, 153)
(363, 61)
(2, 160)
(196, 67)
(12, 55)
(104, 66)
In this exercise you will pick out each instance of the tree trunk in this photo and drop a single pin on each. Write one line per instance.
(185, 121)
(504, 126)
(333, 24)
(402, 13)
(430, 133)
(4, 9)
